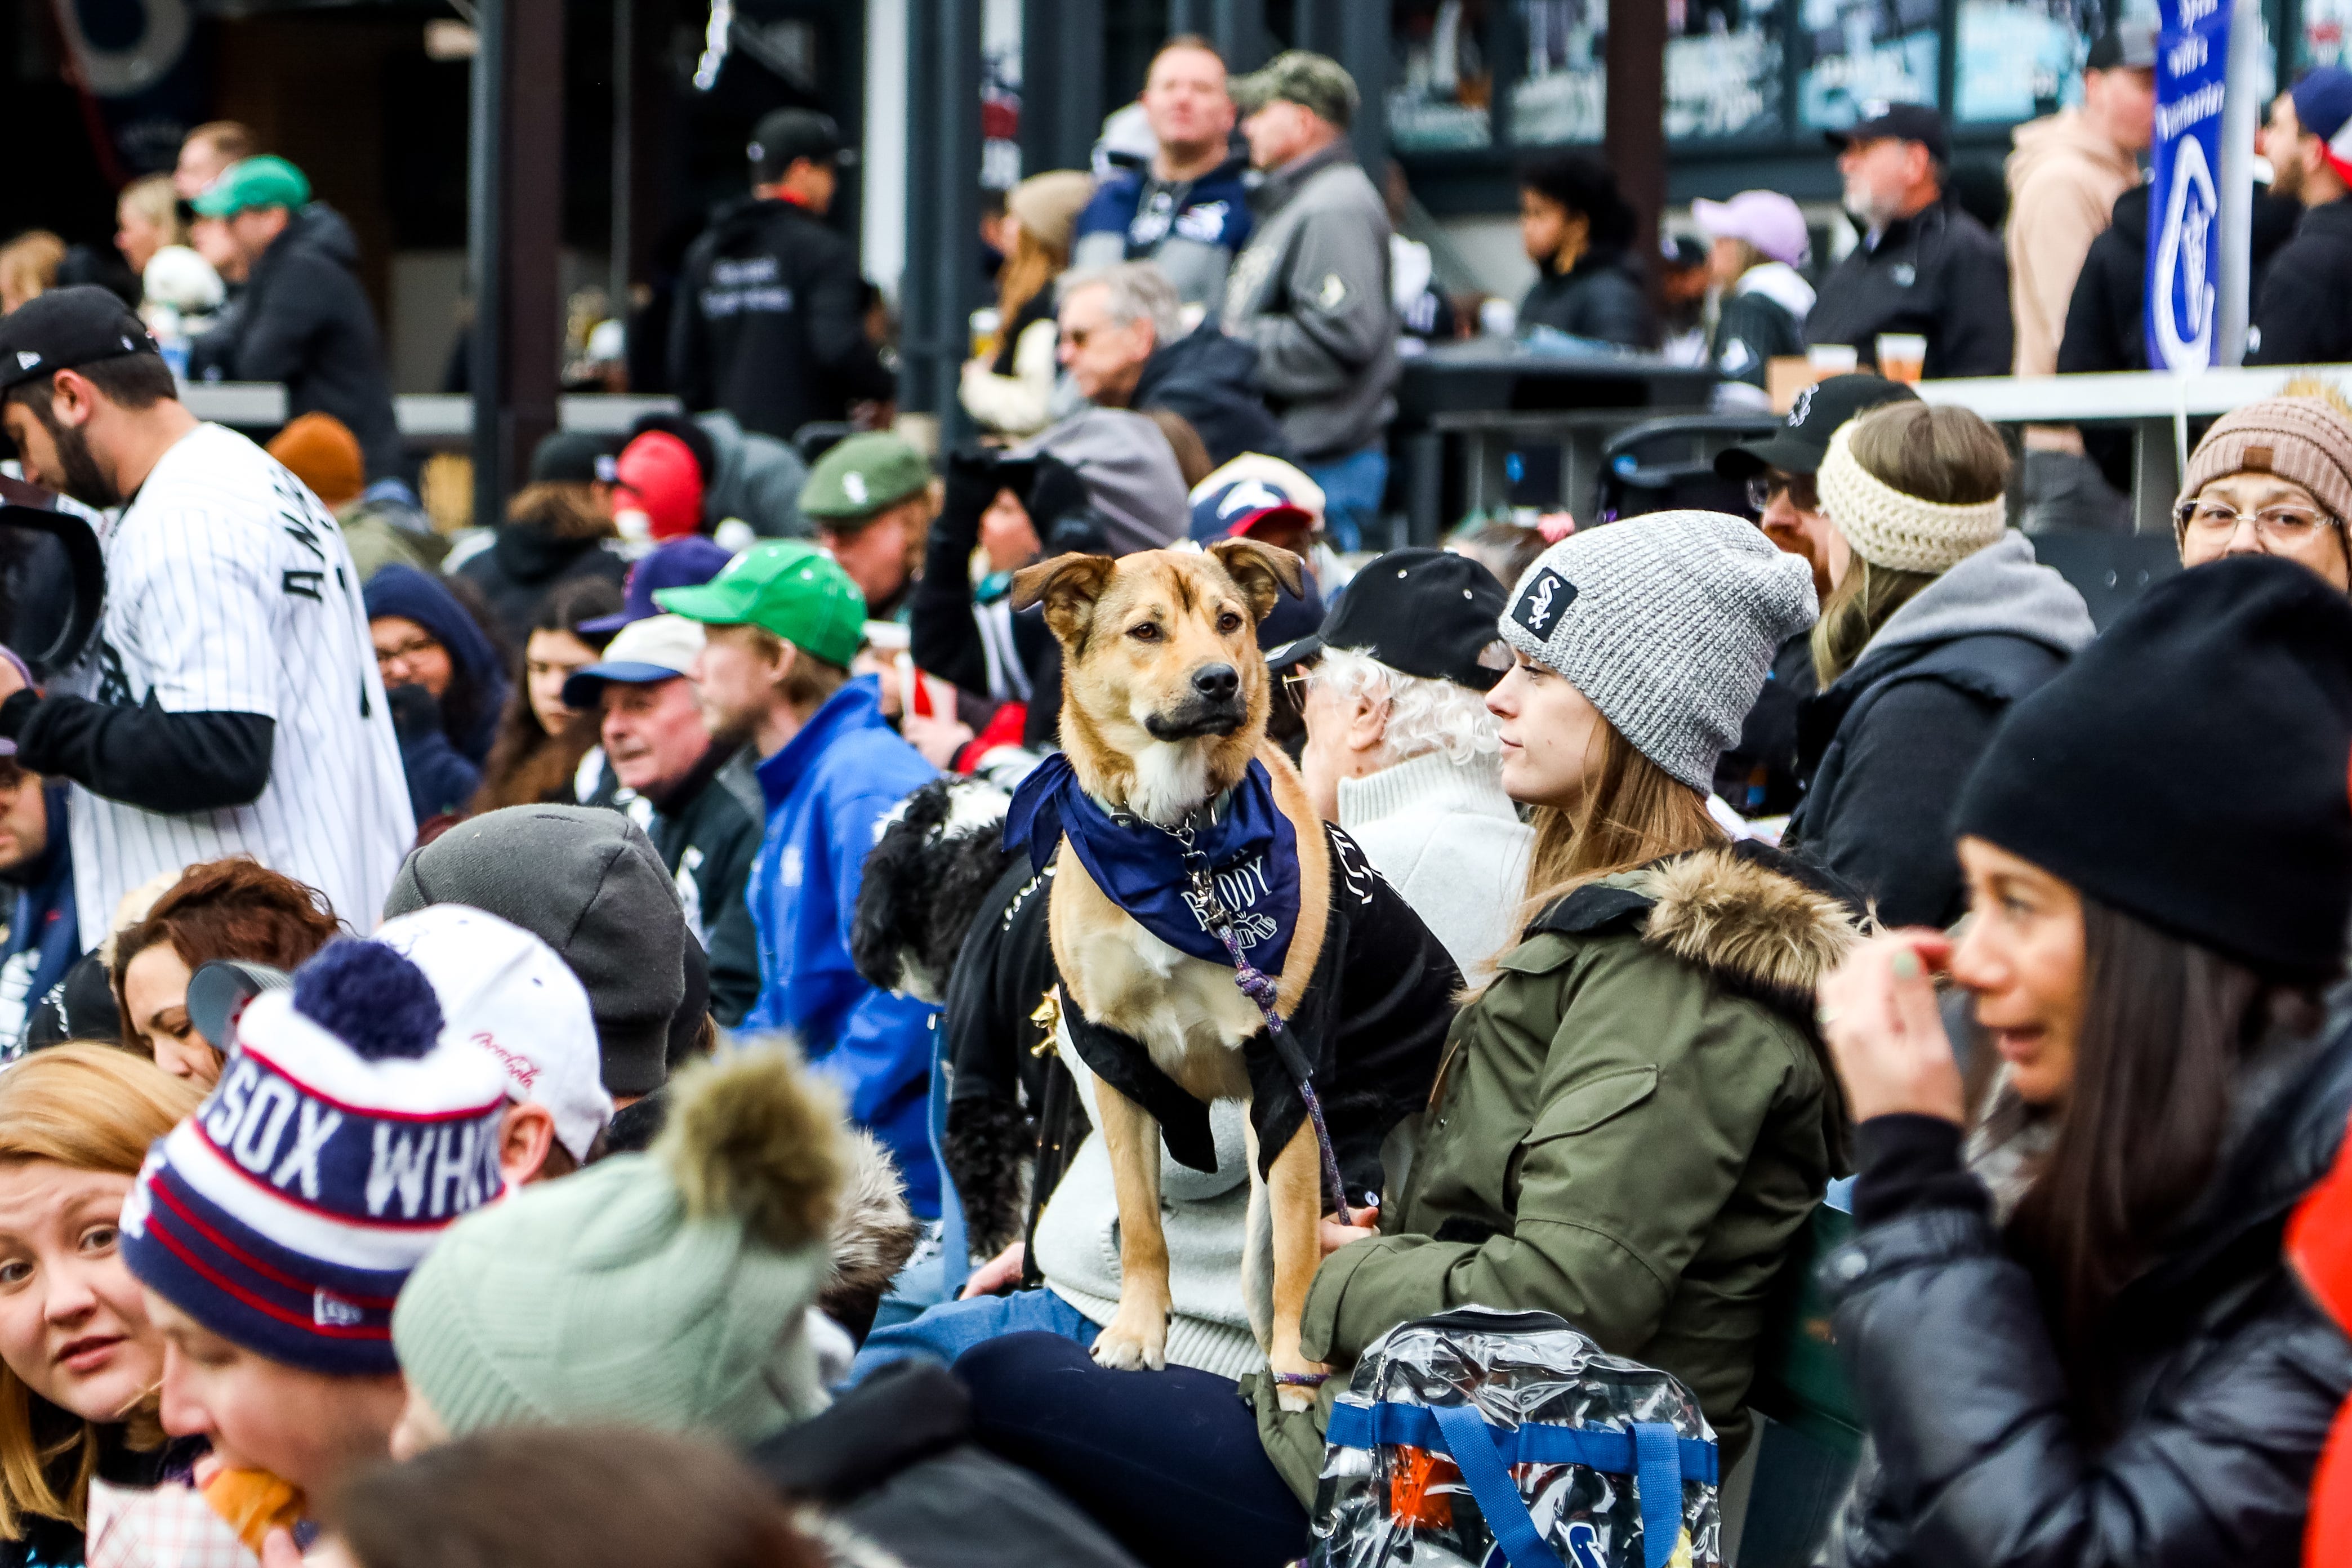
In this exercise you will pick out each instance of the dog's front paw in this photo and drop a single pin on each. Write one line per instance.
(1295, 1395)
(1134, 1339)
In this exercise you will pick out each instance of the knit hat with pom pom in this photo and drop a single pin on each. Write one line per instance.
(348, 1129)
(668, 1290)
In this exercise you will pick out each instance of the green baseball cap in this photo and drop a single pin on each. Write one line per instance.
(268, 181)
(787, 586)
(1315, 82)
(860, 476)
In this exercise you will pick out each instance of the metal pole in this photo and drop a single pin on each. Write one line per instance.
(1362, 46)
(1634, 121)
(2242, 107)
(955, 255)
(624, 123)
(485, 239)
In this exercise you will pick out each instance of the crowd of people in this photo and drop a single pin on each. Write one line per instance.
(554, 1046)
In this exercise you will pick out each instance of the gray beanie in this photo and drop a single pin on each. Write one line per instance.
(588, 882)
(1667, 623)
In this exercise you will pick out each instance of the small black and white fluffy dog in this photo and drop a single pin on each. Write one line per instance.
(940, 851)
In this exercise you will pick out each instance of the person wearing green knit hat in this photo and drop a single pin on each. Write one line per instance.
(670, 1288)
(782, 624)
(303, 318)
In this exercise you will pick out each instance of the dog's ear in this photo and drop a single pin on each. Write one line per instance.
(1067, 585)
(1257, 569)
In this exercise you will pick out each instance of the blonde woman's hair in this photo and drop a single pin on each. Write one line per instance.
(29, 263)
(86, 1106)
(1942, 454)
(1633, 812)
(157, 200)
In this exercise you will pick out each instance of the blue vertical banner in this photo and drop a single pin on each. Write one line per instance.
(2184, 250)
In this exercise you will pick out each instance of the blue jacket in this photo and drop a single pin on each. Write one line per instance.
(826, 791)
(44, 934)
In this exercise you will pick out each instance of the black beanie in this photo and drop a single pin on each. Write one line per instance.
(2190, 767)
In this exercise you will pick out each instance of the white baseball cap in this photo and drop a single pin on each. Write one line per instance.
(507, 992)
(658, 647)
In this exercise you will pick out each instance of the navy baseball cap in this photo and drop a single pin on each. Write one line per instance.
(1898, 122)
(66, 328)
(686, 563)
(1231, 511)
(1429, 612)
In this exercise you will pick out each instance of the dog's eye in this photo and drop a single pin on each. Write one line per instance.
(1144, 632)
(1229, 622)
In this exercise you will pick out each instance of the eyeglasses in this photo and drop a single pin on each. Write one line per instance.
(1798, 488)
(416, 649)
(2287, 525)
(1295, 684)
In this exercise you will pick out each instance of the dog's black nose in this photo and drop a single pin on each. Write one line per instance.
(1217, 683)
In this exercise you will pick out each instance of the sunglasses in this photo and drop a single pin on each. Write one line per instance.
(1798, 488)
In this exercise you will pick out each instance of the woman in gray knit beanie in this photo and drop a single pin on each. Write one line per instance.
(2274, 477)
(1635, 1118)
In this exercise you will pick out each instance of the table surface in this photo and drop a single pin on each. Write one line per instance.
(256, 405)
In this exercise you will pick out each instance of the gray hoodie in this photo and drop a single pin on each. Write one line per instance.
(1887, 747)
(1311, 292)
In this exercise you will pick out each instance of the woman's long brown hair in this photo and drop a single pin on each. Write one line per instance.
(1633, 812)
(90, 1106)
(2166, 1028)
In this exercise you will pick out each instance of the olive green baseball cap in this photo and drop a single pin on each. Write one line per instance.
(862, 474)
(268, 181)
(1315, 82)
(787, 586)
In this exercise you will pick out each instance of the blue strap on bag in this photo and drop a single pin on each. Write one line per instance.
(1658, 1459)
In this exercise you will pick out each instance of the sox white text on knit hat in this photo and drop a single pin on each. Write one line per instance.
(348, 1129)
(1667, 623)
(1890, 528)
(508, 992)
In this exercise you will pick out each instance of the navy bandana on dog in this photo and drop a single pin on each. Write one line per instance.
(1251, 851)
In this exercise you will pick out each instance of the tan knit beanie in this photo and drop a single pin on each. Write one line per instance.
(1048, 205)
(2306, 439)
(1888, 527)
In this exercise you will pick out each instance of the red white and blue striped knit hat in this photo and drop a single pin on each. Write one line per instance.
(349, 1127)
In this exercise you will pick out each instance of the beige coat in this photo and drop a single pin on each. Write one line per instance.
(2063, 180)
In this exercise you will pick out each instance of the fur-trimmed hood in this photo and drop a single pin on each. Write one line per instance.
(1765, 924)
(1770, 927)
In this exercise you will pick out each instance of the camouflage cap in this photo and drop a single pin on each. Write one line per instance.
(1315, 82)
(861, 475)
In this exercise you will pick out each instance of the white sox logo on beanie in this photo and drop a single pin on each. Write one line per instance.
(1541, 601)
(348, 1129)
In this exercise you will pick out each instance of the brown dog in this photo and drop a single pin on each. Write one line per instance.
(1164, 707)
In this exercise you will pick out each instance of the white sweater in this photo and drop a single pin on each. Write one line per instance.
(1450, 842)
(1203, 1217)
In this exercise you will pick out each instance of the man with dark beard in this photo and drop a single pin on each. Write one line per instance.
(231, 703)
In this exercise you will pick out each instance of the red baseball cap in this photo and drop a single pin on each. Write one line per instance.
(656, 475)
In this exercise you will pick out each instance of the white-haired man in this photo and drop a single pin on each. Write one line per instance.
(1124, 343)
(1401, 750)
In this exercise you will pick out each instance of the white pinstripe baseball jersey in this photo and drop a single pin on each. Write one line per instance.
(229, 588)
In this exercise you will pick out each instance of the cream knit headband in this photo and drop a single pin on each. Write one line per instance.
(1887, 527)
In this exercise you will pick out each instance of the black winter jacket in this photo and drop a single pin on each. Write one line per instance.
(1938, 273)
(302, 319)
(770, 323)
(1212, 380)
(2106, 327)
(524, 563)
(2230, 1376)
(2304, 309)
(1887, 747)
(1600, 296)
(893, 1461)
(945, 626)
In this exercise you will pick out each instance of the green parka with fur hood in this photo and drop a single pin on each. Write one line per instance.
(1630, 1127)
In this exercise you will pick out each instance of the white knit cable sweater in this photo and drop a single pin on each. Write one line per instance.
(1450, 842)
